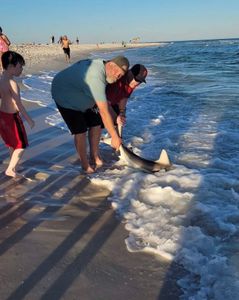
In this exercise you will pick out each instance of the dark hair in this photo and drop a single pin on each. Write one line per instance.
(1, 29)
(11, 58)
(139, 72)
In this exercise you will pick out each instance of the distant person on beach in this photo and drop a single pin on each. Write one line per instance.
(53, 39)
(60, 40)
(80, 95)
(12, 129)
(119, 92)
(77, 41)
(4, 45)
(65, 43)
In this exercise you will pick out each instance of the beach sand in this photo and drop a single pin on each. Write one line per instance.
(44, 57)
(60, 238)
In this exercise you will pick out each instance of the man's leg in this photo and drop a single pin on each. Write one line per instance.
(94, 140)
(80, 144)
(14, 161)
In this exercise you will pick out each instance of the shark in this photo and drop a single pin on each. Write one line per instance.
(136, 161)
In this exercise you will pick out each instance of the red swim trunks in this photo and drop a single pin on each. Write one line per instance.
(12, 130)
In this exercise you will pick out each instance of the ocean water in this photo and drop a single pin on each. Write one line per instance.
(189, 215)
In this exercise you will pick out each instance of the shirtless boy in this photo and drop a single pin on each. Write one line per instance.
(12, 129)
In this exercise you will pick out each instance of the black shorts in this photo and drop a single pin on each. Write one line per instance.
(80, 122)
(67, 51)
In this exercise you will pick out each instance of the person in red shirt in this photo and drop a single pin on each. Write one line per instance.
(4, 46)
(119, 92)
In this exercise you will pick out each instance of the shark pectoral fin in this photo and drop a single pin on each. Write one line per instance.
(163, 159)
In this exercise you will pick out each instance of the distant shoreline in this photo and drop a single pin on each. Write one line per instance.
(40, 57)
(201, 40)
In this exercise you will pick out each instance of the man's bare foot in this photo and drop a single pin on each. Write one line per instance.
(88, 170)
(98, 162)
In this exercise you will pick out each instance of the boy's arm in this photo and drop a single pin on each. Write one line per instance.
(122, 104)
(17, 99)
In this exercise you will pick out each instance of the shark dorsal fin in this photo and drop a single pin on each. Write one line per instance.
(164, 159)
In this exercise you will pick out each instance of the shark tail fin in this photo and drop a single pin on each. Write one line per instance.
(164, 159)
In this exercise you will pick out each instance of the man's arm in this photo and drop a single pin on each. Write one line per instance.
(109, 125)
(121, 118)
(122, 104)
(17, 99)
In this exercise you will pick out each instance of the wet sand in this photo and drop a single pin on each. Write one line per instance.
(59, 236)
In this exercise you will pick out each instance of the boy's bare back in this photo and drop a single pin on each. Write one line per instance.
(9, 92)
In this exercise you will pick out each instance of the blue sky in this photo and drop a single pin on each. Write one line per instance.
(108, 21)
